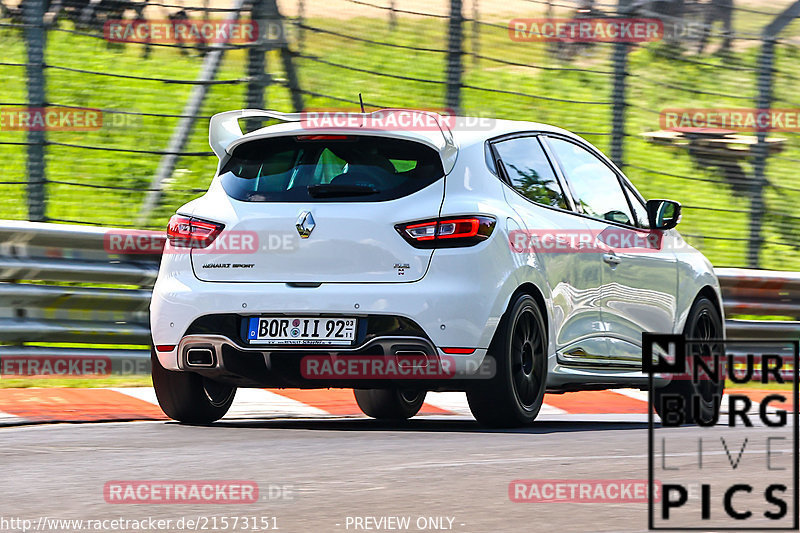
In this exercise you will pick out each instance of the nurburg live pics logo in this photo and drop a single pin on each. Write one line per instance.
(733, 468)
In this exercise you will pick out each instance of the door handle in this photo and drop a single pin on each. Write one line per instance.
(611, 259)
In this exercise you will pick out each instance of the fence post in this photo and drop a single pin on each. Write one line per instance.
(761, 149)
(392, 15)
(287, 56)
(455, 54)
(33, 16)
(191, 110)
(476, 32)
(257, 64)
(761, 153)
(620, 62)
(300, 24)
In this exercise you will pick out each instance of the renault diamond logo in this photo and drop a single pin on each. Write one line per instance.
(305, 224)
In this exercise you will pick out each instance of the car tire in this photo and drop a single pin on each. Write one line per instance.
(188, 397)
(389, 404)
(514, 396)
(704, 322)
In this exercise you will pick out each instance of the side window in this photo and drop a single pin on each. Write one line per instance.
(595, 185)
(639, 208)
(530, 172)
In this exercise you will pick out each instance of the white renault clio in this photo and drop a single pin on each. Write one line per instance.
(515, 256)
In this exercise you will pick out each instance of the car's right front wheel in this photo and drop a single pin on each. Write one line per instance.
(514, 395)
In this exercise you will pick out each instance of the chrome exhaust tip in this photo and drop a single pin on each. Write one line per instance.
(201, 357)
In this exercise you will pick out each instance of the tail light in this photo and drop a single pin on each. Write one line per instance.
(189, 232)
(449, 232)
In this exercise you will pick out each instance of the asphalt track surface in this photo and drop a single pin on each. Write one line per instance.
(339, 469)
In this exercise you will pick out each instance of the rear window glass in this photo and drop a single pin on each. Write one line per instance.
(329, 169)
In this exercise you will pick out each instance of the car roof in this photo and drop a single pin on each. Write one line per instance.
(470, 130)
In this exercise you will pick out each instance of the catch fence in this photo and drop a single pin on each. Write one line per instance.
(150, 154)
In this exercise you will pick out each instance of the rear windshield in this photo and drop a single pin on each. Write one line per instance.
(329, 168)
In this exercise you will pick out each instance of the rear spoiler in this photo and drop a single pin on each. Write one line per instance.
(224, 129)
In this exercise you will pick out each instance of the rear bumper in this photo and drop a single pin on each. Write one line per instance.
(228, 360)
(448, 312)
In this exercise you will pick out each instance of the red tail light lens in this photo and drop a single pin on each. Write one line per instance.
(458, 228)
(189, 232)
(450, 232)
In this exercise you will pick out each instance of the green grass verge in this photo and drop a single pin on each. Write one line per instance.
(77, 382)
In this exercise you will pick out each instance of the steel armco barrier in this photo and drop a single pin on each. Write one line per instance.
(58, 284)
(761, 293)
(55, 278)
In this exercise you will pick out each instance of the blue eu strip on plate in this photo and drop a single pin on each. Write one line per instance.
(252, 330)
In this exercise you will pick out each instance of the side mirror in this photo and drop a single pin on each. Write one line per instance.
(663, 214)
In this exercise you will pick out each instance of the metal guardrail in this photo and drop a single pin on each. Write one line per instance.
(60, 284)
(40, 301)
(761, 293)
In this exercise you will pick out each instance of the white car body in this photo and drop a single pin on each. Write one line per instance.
(356, 264)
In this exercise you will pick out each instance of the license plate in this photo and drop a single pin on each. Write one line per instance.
(302, 330)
